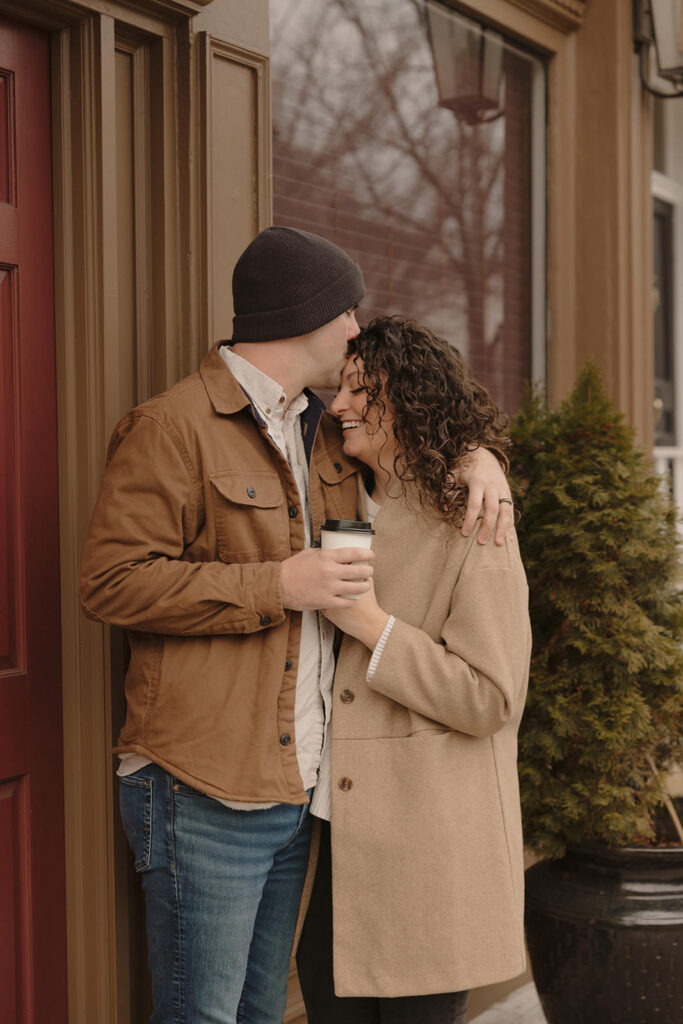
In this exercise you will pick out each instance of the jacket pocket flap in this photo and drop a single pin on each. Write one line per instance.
(262, 490)
(334, 466)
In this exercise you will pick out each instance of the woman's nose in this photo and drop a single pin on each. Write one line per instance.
(337, 406)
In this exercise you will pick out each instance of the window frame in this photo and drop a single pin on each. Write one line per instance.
(669, 458)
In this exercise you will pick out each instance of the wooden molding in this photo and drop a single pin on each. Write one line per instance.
(565, 15)
(165, 7)
(77, 315)
(92, 394)
(260, 65)
(212, 50)
(54, 14)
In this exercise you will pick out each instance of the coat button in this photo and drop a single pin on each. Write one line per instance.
(251, 492)
(293, 512)
(347, 696)
(288, 665)
(264, 620)
(285, 739)
(338, 466)
(345, 784)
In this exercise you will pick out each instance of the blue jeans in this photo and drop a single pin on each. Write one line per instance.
(222, 892)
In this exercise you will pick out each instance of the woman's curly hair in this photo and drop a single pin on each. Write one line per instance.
(440, 412)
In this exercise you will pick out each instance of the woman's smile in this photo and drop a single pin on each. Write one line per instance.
(366, 436)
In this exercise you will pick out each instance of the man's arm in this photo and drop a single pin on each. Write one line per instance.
(488, 486)
(149, 510)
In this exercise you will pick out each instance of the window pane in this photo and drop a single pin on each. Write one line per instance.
(665, 426)
(424, 177)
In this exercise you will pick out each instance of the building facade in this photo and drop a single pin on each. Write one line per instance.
(143, 143)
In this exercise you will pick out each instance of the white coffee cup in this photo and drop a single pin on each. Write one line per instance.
(346, 533)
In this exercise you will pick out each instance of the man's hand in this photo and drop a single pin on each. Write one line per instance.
(483, 475)
(314, 579)
(363, 618)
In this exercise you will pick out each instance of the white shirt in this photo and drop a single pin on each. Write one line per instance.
(313, 702)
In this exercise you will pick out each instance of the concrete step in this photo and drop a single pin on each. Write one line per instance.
(521, 1007)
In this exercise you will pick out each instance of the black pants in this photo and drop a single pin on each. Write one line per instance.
(314, 960)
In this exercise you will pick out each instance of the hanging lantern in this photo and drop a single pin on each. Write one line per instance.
(468, 63)
(667, 20)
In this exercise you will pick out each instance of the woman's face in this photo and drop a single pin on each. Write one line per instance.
(365, 437)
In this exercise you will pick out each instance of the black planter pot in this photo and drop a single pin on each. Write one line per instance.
(605, 935)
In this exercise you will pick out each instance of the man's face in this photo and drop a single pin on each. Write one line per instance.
(326, 348)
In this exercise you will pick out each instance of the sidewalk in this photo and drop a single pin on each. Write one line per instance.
(522, 1007)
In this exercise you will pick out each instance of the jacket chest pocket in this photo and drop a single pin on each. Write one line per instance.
(251, 518)
(339, 486)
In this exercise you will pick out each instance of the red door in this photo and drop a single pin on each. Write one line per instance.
(32, 901)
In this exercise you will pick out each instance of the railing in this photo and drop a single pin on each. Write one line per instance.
(669, 464)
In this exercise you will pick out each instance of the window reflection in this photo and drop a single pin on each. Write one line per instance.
(434, 205)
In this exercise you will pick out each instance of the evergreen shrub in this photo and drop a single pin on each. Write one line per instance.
(598, 535)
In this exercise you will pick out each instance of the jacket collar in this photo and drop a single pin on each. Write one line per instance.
(227, 396)
(225, 393)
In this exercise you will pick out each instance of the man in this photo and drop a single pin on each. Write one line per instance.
(201, 546)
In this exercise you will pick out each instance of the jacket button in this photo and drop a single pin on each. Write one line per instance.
(347, 696)
(251, 492)
(338, 466)
(288, 665)
(345, 784)
(293, 512)
(285, 739)
(264, 620)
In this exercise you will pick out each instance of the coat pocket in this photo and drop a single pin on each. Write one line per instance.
(135, 803)
(338, 483)
(251, 519)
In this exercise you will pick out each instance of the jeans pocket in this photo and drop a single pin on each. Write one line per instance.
(135, 803)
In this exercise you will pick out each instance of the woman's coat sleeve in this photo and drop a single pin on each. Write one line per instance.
(474, 679)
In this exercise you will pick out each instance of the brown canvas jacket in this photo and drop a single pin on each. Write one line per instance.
(197, 510)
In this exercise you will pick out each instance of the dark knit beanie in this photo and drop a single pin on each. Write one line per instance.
(289, 282)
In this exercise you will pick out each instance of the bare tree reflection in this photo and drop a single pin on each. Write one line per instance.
(365, 154)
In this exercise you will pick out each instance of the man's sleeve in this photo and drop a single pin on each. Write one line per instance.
(132, 574)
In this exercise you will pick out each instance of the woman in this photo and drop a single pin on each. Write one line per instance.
(419, 781)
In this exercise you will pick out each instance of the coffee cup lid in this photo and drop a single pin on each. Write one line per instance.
(350, 525)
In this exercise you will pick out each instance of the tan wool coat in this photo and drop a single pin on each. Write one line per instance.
(426, 830)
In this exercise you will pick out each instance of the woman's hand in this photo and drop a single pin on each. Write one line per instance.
(364, 619)
(483, 475)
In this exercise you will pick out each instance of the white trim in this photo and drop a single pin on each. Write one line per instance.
(667, 189)
(379, 649)
(668, 462)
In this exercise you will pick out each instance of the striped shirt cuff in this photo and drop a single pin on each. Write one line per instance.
(379, 648)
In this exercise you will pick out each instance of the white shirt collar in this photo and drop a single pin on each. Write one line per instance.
(266, 394)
